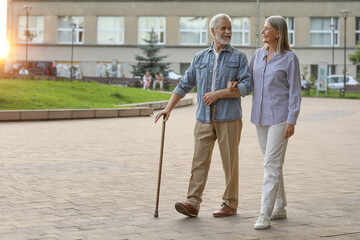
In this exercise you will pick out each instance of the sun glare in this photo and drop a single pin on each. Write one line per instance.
(4, 45)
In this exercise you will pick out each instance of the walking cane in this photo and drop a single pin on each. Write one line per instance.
(156, 214)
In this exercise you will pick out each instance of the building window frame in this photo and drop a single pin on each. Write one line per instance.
(119, 32)
(79, 30)
(290, 21)
(39, 29)
(243, 31)
(158, 29)
(357, 31)
(201, 31)
(328, 30)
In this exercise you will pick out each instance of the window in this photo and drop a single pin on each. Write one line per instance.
(331, 69)
(35, 27)
(63, 69)
(240, 31)
(291, 30)
(335, 80)
(108, 69)
(357, 31)
(314, 71)
(193, 31)
(321, 33)
(110, 30)
(147, 24)
(184, 67)
(65, 29)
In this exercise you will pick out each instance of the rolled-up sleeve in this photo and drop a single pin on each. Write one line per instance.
(188, 81)
(294, 89)
(244, 77)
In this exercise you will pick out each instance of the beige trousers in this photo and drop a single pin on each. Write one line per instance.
(160, 83)
(228, 136)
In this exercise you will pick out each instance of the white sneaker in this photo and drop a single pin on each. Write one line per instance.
(262, 223)
(278, 213)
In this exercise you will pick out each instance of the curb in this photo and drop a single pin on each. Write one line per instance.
(128, 110)
(187, 100)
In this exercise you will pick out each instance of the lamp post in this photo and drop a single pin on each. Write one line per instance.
(345, 13)
(27, 10)
(333, 26)
(257, 23)
(73, 26)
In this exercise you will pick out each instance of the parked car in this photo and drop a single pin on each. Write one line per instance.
(36, 67)
(336, 82)
(173, 75)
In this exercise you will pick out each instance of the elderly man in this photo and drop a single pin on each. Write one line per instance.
(218, 115)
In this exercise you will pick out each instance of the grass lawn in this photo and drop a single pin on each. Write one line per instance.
(331, 94)
(22, 94)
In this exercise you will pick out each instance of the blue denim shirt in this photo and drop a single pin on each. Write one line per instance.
(277, 90)
(232, 66)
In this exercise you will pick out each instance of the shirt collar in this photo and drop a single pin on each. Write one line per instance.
(227, 48)
(266, 53)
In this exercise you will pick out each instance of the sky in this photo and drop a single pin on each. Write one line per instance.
(4, 45)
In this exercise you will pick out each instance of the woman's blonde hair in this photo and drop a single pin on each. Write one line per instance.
(279, 24)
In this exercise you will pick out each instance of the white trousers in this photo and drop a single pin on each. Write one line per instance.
(273, 147)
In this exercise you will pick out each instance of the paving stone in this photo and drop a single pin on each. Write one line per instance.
(96, 179)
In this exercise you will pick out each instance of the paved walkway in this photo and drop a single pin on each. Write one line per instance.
(96, 178)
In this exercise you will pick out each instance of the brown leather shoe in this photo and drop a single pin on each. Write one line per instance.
(186, 209)
(224, 211)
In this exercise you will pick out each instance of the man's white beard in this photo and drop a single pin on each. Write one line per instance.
(222, 41)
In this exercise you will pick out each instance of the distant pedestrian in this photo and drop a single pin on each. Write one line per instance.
(146, 80)
(159, 78)
(23, 71)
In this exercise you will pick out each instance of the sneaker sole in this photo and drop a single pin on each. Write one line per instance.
(278, 217)
(182, 210)
(261, 228)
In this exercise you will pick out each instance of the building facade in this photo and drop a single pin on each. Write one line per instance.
(98, 35)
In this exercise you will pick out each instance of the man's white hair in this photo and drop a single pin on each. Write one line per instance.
(214, 22)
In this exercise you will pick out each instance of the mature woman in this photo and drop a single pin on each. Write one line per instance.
(276, 105)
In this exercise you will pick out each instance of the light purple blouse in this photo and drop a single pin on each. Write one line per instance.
(277, 88)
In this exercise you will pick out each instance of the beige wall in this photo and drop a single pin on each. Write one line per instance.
(172, 33)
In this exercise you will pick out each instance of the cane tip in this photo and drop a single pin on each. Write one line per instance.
(156, 215)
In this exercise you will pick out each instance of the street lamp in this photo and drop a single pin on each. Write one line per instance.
(345, 13)
(333, 27)
(73, 26)
(27, 9)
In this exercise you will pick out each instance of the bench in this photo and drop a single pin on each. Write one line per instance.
(349, 89)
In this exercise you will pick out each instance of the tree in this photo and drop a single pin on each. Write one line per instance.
(151, 61)
(355, 58)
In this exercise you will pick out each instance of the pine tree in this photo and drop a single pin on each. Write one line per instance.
(151, 61)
